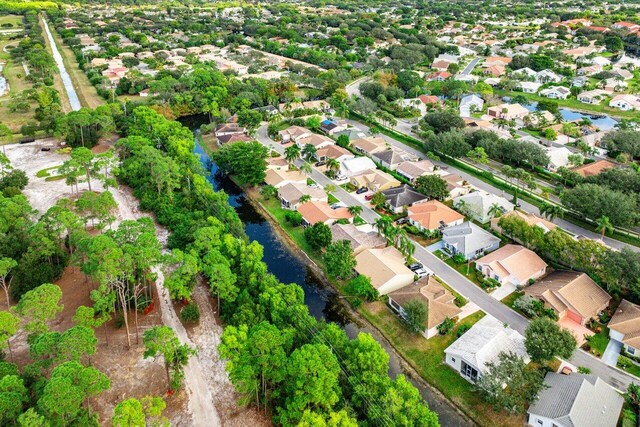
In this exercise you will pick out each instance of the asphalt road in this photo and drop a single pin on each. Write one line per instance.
(470, 66)
(459, 283)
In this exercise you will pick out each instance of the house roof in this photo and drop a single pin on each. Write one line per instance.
(480, 202)
(315, 140)
(377, 177)
(357, 165)
(333, 151)
(358, 238)
(570, 290)
(529, 218)
(429, 99)
(591, 169)
(433, 214)
(277, 177)
(382, 265)
(402, 196)
(438, 300)
(295, 131)
(415, 169)
(485, 341)
(371, 144)
(390, 156)
(468, 237)
(578, 400)
(233, 137)
(514, 260)
(230, 127)
(314, 212)
(292, 192)
(626, 320)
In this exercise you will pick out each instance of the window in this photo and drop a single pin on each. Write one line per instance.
(453, 359)
(631, 350)
(539, 421)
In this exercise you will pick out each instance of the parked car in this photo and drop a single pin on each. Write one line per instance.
(415, 266)
(362, 190)
(368, 197)
(341, 177)
(321, 163)
(45, 149)
(402, 221)
(421, 272)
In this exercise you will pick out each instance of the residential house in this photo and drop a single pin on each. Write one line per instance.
(626, 26)
(429, 100)
(440, 76)
(456, 185)
(614, 85)
(369, 145)
(385, 267)
(497, 60)
(333, 152)
(495, 70)
(330, 127)
(375, 180)
(592, 96)
(529, 87)
(595, 168)
(356, 166)
(529, 218)
(391, 158)
(556, 92)
(229, 129)
(512, 264)
(589, 70)
(314, 212)
(508, 111)
(400, 197)
(469, 240)
(482, 206)
(470, 103)
(625, 102)
(579, 81)
(547, 76)
(293, 133)
(481, 345)
(414, 170)
(318, 141)
(622, 73)
(575, 400)
(433, 215)
(572, 295)
(359, 237)
(228, 139)
(290, 194)
(524, 73)
(441, 66)
(558, 157)
(281, 177)
(624, 327)
(439, 302)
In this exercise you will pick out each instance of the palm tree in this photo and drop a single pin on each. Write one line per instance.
(495, 210)
(551, 211)
(306, 168)
(383, 223)
(292, 153)
(462, 207)
(305, 198)
(355, 210)
(603, 225)
(333, 165)
(308, 151)
(329, 188)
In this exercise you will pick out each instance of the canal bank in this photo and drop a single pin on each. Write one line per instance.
(291, 265)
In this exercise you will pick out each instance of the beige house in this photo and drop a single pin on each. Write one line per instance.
(369, 145)
(572, 295)
(385, 267)
(508, 111)
(433, 215)
(293, 133)
(624, 327)
(438, 301)
(375, 180)
(529, 218)
(513, 264)
(414, 170)
(281, 177)
(318, 141)
(290, 195)
(360, 238)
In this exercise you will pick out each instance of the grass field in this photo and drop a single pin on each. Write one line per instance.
(14, 20)
(57, 80)
(87, 93)
(14, 73)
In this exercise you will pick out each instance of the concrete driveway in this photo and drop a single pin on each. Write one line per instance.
(612, 352)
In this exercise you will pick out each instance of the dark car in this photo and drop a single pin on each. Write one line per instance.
(368, 197)
(45, 149)
(318, 164)
(402, 221)
(415, 266)
(362, 190)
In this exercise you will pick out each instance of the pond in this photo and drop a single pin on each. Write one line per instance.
(601, 121)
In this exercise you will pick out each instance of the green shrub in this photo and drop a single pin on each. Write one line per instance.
(445, 327)
(294, 218)
(460, 301)
(459, 259)
(361, 287)
(190, 313)
(462, 329)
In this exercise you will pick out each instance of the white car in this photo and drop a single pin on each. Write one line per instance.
(341, 178)
(421, 272)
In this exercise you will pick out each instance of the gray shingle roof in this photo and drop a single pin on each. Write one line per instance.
(402, 196)
(578, 400)
(468, 237)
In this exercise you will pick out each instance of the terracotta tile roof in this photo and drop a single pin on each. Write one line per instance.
(594, 168)
(514, 260)
(314, 212)
(432, 214)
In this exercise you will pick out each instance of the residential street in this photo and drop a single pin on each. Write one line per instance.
(459, 283)
(470, 66)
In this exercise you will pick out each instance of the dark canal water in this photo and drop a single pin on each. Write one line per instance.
(323, 302)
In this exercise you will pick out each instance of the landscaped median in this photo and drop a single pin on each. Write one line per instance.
(425, 356)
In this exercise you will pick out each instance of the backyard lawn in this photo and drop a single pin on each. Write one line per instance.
(598, 342)
(427, 357)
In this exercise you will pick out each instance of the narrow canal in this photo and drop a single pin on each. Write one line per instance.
(66, 79)
(323, 302)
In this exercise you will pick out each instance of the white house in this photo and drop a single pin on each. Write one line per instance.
(625, 102)
(469, 240)
(480, 345)
(556, 92)
(548, 76)
(529, 87)
(558, 157)
(624, 327)
(356, 166)
(469, 103)
(592, 96)
(479, 205)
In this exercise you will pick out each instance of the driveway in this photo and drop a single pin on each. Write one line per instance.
(469, 67)
(579, 332)
(435, 246)
(611, 353)
(503, 291)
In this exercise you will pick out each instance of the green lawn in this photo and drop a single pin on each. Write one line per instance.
(472, 275)
(427, 358)
(599, 341)
(510, 299)
(14, 20)
(296, 233)
(627, 365)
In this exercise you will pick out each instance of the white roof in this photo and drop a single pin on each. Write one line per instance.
(356, 166)
(485, 341)
(558, 156)
(480, 202)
